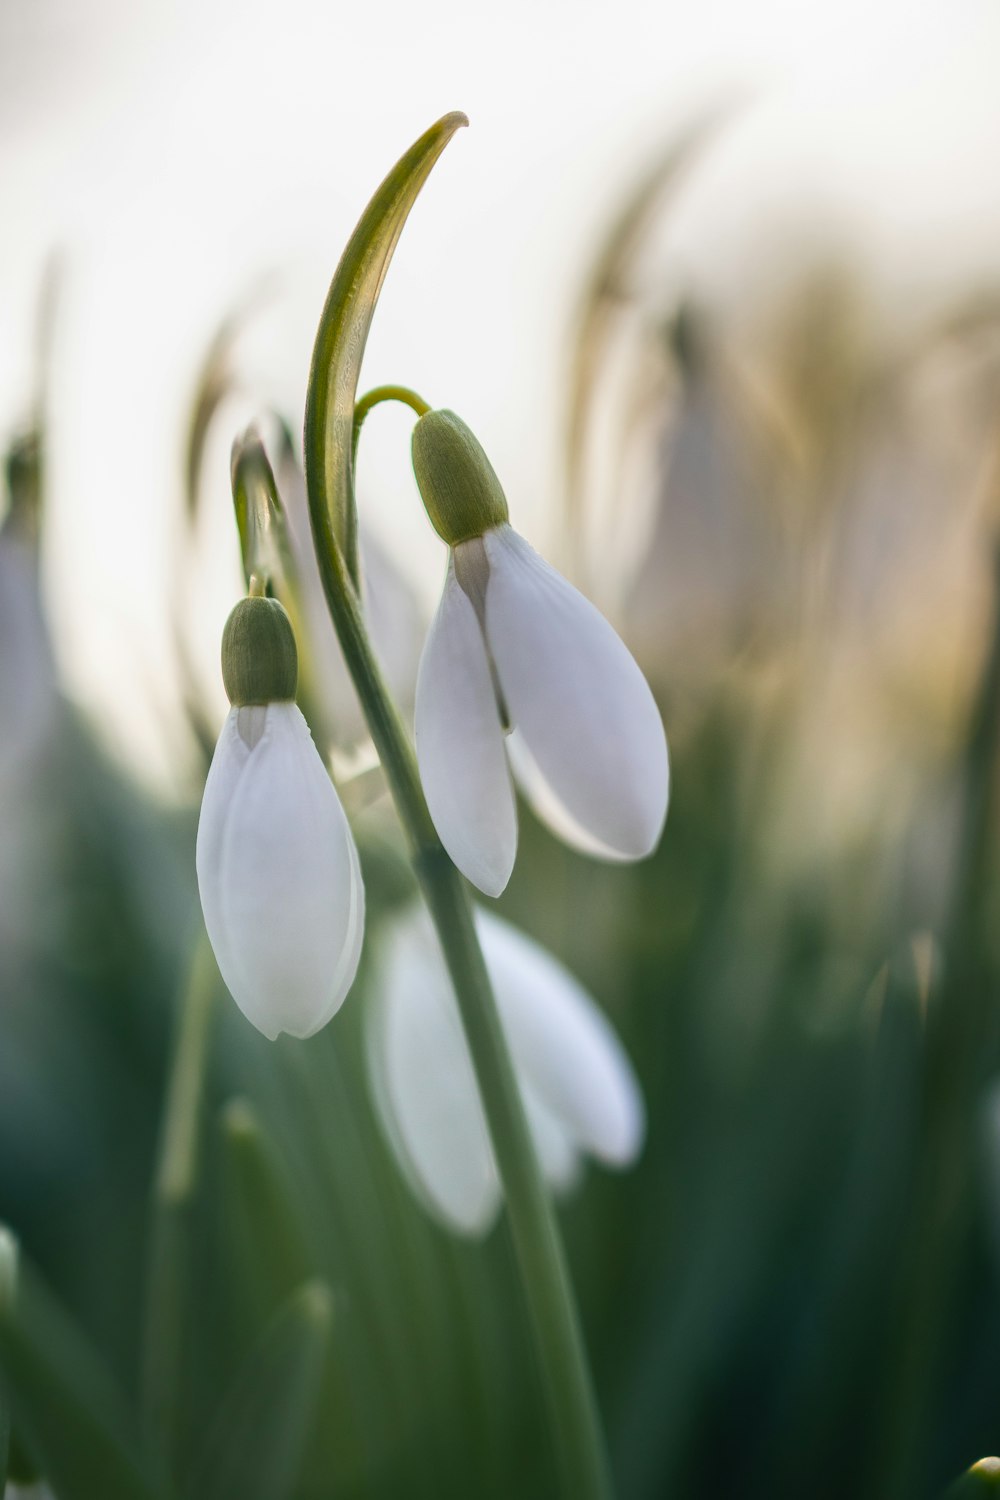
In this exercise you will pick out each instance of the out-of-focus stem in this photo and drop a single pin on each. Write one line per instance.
(168, 1284)
(961, 1029)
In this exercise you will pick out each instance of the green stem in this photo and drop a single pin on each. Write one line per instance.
(539, 1251)
(385, 393)
(362, 407)
(174, 1194)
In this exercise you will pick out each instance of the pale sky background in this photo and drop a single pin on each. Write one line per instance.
(175, 153)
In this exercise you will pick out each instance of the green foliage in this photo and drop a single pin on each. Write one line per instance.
(255, 1444)
(66, 1406)
(798, 1288)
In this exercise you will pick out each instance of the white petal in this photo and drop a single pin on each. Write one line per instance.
(28, 690)
(563, 1045)
(579, 701)
(395, 619)
(280, 879)
(577, 1086)
(228, 762)
(460, 746)
(547, 805)
(560, 1161)
(423, 1082)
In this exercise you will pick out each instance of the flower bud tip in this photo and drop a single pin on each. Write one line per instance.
(460, 490)
(259, 656)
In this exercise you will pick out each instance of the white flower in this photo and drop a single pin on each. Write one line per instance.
(513, 641)
(28, 690)
(393, 615)
(278, 873)
(580, 1094)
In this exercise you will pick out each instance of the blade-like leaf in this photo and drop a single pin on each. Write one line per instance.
(266, 1243)
(260, 515)
(4, 1437)
(343, 333)
(8, 1285)
(63, 1400)
(256, 1443)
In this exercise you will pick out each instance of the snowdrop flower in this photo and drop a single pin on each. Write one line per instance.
(580, 1094)
(278, 870)
(521, 674)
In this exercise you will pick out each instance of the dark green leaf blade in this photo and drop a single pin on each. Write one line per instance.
(66, 1406)
(343, 333)
(256, 1443)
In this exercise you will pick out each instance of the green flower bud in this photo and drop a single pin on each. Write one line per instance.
(460, 491)
(260, 663)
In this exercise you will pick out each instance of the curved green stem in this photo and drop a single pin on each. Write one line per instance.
(331, 426)
(366, 404)
(385, 393)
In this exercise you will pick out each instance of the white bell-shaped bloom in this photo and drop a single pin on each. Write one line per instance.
(521, 673)
(278, 873)
(580, 1094)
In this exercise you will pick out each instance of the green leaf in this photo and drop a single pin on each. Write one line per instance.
(8, 1292)
(265, 1241)
(256, 1443)
(64, 1402)
(260, 515)
(4, 1438)
(343, 333)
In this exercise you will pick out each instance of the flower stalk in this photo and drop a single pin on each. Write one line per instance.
(174, 1196)
(330, 435)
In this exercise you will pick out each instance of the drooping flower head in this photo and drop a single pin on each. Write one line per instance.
(521, 674)
(278, 871)
(578, 1088)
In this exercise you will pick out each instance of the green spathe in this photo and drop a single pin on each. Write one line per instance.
(460, 491)
(260, 662)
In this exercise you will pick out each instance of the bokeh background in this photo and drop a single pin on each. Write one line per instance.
(719, 290)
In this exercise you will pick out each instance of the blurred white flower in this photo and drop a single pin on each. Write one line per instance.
(278, 873)
(28, 690)
(514, 646)
(392, 612)
(579, 1091)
